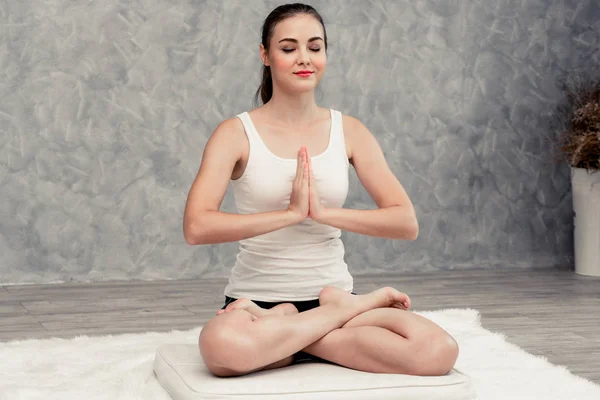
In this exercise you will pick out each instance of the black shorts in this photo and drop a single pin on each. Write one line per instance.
(301, 306)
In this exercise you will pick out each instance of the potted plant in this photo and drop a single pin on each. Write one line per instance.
(579, 144)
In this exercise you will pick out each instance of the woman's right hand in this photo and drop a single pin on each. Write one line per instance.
(299, 199)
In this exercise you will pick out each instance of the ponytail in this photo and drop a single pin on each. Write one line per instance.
(265, 90)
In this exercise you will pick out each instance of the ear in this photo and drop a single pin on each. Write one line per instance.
(263, 55)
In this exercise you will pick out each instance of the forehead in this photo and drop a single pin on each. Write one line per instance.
(301, 27)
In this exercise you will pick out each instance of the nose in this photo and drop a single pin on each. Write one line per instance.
(303, 57)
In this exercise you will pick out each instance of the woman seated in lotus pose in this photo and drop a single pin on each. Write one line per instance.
(289, 297)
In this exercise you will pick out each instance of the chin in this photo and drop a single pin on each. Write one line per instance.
(298, 88)
(303, 87)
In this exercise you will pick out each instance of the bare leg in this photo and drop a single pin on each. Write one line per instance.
(259, 342)
(390, 341)
(382, 340)
(259, 312)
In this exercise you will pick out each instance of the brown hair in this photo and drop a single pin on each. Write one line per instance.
(265, 90)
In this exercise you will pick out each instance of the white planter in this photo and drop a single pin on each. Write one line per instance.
(586, 204)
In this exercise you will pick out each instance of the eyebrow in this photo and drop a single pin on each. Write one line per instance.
(312, 39)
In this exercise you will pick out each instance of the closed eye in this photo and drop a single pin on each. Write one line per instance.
(290, 50)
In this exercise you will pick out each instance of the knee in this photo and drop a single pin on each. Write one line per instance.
(223, 346)
(436, 354)
(448, 353)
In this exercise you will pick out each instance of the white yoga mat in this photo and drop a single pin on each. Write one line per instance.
(119, 367)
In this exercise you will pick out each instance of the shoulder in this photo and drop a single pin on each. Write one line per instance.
(352, 125)
(230, 126)
(355, 132)
(229, 135)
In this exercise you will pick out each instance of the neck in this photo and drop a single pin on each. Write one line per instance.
(292, 108)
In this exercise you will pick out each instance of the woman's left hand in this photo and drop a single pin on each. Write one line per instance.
(315, 208)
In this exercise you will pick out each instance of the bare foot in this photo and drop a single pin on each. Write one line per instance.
(259, 312)
(383, 297)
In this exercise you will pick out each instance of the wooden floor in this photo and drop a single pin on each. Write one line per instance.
(553, 313)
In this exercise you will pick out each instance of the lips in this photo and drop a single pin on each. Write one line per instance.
(304, 72)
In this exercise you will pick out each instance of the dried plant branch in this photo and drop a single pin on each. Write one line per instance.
(579, 139)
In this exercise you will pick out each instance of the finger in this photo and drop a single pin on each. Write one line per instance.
(298, 163)
(305, 172)
(306, 157)
(301, 164)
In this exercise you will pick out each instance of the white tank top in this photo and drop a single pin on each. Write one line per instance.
(293, 263)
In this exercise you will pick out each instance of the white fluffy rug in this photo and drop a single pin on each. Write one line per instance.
(119, 367)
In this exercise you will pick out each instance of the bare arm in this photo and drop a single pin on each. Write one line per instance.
(395, 217)
(393, 222)
(203, 223)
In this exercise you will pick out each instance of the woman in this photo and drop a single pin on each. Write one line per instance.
(289, 297)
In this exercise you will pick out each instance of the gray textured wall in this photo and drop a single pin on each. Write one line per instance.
(106, 106)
